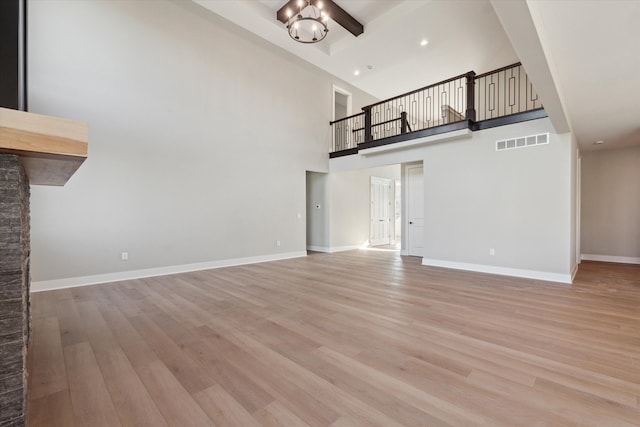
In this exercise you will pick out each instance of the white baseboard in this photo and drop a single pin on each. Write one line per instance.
(608, 258)
(318, 248)
(503, 271)
(345, 248)
(72, 282)
(333, 249)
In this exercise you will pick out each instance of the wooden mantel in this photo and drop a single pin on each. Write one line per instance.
(51, 148)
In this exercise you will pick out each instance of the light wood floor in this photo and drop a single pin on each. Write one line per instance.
(362, 338)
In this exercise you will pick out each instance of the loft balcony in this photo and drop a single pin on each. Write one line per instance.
(468, 101)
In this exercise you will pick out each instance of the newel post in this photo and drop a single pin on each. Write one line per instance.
(367, 124)
(471, 104)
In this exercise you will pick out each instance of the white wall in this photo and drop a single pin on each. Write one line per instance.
(514, 201)
(611, 205)
(518, 202)
(198, 145)
(349, 204)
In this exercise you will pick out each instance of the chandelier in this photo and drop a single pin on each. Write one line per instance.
(309, 25)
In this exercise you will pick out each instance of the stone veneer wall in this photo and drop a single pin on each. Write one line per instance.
(15, 318)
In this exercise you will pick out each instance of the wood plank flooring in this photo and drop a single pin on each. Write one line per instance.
(360, 338)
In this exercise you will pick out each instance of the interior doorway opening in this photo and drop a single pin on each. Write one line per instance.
(317, 215)
(377, 208)
(342, 103)
(405, 205)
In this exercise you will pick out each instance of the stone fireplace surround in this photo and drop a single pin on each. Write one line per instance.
(15, 321)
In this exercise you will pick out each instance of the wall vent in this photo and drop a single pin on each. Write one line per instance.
(522, 142)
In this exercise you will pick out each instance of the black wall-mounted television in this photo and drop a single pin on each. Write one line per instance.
(13, 54)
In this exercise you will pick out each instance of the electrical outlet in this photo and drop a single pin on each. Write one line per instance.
(278, 243)
(124, 256)
(492, 252)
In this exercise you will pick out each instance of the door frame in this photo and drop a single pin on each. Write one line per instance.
(397, 207)
(578, 205)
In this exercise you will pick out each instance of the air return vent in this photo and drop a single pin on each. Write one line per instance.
(522, 141)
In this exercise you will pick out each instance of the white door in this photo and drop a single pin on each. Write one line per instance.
(380, 211)
(415, 211)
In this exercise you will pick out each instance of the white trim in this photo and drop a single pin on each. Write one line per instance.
(404, 252)
(346, 248)
(608, 258)
(415, 142)
(503, 271)
(72, 282)
(333, 249)
(578, 204)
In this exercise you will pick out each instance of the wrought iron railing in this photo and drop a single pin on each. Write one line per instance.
(475, 100)
(441, 103)
(504, 92)
(348, 132)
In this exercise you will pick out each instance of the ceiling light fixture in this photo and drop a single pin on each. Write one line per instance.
(599, 142)
(356, 73)
(309, 25)
(424, 42)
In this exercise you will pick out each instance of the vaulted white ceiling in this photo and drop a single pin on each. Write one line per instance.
(586, 53)
(462, 36)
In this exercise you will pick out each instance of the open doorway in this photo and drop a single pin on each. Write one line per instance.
(380, 208)
(342, 103)
(316, 211)
(404, 205)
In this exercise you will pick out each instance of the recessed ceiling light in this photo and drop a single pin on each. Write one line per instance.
(599, 142)
(424, 42)
(356, 73)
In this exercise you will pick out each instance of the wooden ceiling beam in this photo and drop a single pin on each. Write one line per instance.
(335, 12)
